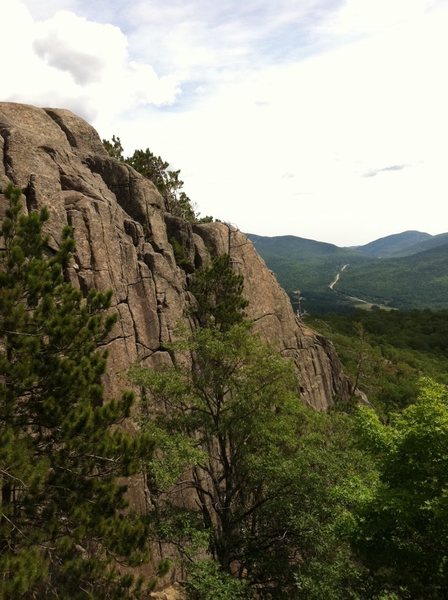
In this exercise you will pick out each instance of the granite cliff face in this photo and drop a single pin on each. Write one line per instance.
(124, 240)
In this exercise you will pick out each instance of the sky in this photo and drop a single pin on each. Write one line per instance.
(324, 119)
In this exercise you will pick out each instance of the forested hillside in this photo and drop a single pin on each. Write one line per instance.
(308, 266)
(387, 352)
(405, 244)
(398, 244)
(417, 281)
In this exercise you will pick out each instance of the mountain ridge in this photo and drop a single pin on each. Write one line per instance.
(306, 268)
(409, 242)
(394, 244)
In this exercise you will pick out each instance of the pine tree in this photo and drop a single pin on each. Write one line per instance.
(266, 467)
(64, 522)
(167, 182)
(114, 148)
(219, 295)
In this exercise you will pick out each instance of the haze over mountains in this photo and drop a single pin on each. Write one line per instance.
(405, 270)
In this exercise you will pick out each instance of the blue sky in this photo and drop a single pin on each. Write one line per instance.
(325, 119)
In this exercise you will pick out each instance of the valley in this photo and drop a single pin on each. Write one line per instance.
(402, 271)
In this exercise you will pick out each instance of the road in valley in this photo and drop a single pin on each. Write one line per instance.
(333, 283)
(367, 304)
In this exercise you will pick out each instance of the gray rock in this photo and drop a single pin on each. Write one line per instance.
(124, 241)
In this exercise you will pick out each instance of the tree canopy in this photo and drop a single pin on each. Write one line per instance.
(65, 527)
(402, 528)
(266, 467)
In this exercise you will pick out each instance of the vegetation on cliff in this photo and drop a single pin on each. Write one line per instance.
(167, 182)
(63, 530)
(270, 477)
(261, 496)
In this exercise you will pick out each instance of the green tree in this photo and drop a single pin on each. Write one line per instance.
(274, 481)
(114, 148)
(267, 469)
(207, 582)
(228, 400)
(219, 295)
(65, 527)
(402, 532)
(167, 182)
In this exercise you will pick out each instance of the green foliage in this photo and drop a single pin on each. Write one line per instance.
(398, 348)
(207, 582)
(424, 331)
(219, 295)
(167, 182)
(114, 148)
(273, 480)
(228, 400)
(402, 531)
(180, 255)
(62, 524)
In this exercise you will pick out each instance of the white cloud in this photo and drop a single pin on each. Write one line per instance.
(57, 44)
(264, 137)
(84, 65)
(370, 104)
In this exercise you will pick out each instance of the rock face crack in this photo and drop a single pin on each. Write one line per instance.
(7, 158)
(31, 194)
(58, 120)
(271, 314)
(127, 242)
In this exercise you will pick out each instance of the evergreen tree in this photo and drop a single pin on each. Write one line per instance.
(166, 181)
(219, 295)
(114, 148)
(266, 468)
(157, 170)
(65, 527)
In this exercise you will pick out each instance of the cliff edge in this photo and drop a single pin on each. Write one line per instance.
(124, 242)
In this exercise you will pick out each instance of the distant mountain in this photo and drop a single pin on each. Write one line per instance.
(412, 273)
(308, 266)
(433, 242)
(416, 281)
(398, 244)
(293, 247)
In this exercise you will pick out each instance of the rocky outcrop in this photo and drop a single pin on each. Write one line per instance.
(127, 242)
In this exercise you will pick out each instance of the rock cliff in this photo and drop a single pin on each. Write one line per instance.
(124, 241)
